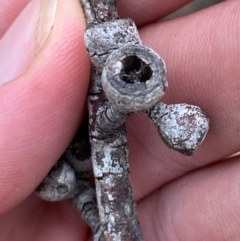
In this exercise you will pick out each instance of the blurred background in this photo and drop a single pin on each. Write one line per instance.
(193, 7)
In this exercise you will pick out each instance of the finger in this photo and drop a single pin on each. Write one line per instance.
(201, 53)
(143, 12)
(42, 108)
(8, 13)
(203, 205)
(43, 221)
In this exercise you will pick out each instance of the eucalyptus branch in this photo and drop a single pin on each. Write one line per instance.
(127, 77)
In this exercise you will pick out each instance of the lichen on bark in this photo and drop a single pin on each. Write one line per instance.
(126, 77)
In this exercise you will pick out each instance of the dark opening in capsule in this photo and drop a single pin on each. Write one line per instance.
(135, 70)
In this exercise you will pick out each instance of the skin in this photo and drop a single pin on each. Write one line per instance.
(179, 198)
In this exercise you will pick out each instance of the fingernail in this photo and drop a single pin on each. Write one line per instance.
(46, 21)
(25, 38)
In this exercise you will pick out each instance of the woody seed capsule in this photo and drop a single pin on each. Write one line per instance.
(134, 78)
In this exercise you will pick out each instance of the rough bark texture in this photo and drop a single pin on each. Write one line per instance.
(112, 36)
(111, 170)
(85, 202)
(182, 127)
(117, 208)
(133, 78)
(126, 77)
(97, 11)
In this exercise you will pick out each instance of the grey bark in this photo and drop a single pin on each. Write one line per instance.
(133, 78)
(126, 77)
(117, 209)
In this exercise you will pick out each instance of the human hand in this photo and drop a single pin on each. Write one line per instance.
(198, 49)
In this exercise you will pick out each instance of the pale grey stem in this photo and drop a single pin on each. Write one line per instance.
(85, 202)
(97, 11)
(117, 208)
(126, 78)
(182, 127)
(133, 78)
(111, 170)
(110, 122)
(104, 10)
(90, 17)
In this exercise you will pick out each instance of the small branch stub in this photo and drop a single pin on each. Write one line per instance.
(134, 78)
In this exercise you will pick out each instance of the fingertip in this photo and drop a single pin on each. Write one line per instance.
(43, 107)
(143, 12)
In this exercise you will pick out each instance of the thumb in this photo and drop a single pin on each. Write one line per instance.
(43, 85)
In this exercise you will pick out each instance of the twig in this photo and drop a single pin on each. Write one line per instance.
(134, 79)
(109, 156)
(126, 77)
